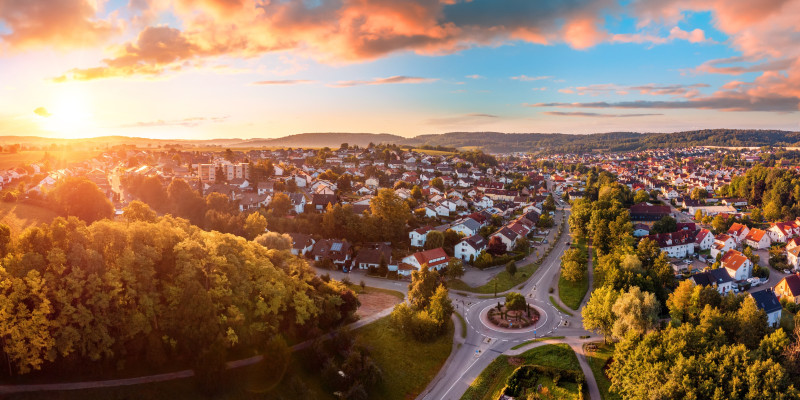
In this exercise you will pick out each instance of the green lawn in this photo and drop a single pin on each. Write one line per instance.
(463, 323)
(503, 279)
(523, 344)
(489, 384)
(408, 366)
(597, 359)
(572, 293)
(558, 306)
(369, 289)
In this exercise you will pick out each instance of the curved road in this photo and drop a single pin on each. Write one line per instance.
(485, 342)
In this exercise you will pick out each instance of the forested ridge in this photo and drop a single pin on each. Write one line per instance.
(76, 297)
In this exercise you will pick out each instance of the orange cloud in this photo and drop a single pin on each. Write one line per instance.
(53, 23)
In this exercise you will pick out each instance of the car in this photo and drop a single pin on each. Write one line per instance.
(786, 271)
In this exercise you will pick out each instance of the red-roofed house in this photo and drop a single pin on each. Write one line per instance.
(434, 258)
(704, 239)
(738, 232)
(722, 243)
(419, 235)
(782, 231)
(738, 266)
(757, 239)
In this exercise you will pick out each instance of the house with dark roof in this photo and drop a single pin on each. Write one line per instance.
(718, 278)
(767, 301)
(648, 212)
(470, 247)
(789, 288)
(321, 201)
(466, 226)
(301, 243)
(338, 251)
(372, 253)
(675, 244)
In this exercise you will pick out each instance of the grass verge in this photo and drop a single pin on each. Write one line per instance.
(597, 360)
(572, 293)
(463, 325)
(541, 339)
(503, 279)
(19, 216)
(558, 306)
(408, 366)
(489, 384)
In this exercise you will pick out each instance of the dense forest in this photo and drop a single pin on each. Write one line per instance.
(153, 293)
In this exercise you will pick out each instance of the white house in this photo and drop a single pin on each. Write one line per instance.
(469, 248)
(419, 235)
(767, 301)
(738, 266)
(718, 278)
(676, 244)
(722, 243)
(793, 256)
(738, 232)
(704, 239)
(782, 231)
(435, 259)
(757, 239)
(466, 226)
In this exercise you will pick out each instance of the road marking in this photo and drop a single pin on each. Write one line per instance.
(459, 378)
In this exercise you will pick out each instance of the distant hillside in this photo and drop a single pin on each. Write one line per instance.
(492, 142)
(329, 139)
(614, 141)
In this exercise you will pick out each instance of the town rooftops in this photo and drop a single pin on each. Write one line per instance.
(766, 300)
(712, 277)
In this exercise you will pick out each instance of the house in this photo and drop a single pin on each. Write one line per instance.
(757, 239)
(767, 301)
(675, 244)
(738, 232)
(435, 259)
(738, 266)
(419, 235)
(466, 226)
(722, 243)
(704, 239)
(371, 255)
(507, 236)
(718, 278)
(338, 251)
(782, 231)
(789, 288)
(372, 183)
(321, 201)
(792, 243)
(253, 201)
(641, 230)
(648, 212)
(301, 243)
(793, 257)
(298, 201)
(469, 248)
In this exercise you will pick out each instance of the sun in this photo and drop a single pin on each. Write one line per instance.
(69, 116)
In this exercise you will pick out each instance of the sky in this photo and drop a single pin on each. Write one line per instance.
(202, 69)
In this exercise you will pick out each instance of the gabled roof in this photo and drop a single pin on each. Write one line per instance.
(712, 277)
(766, 300)
(755, 235)
(477, 242)
(432, 257)
(736, 229)
(733, 260)
(793, 283)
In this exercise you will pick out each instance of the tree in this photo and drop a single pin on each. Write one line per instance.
(666, 224)
(572, 270)
(280, 204)
(719, 224)
(641, 196)
(515, 302)
(455, 268)
(545, 221)
(698, 215)
(636, 312)
(751, 323)
(138, 211)
(392, 214)
(598, 314)
(511, 268)
(416, 192)
(434, 240)
(756, 216)
(254, 225)
(698, 194)
(496, 246)
(5, 240)
(440, 307)
(438, 183)
(274, 240)
(423, 284)
(80, 197)
(549, 203)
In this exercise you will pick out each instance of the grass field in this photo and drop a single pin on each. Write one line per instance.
(558, 306)
(597, 359)
(503, 279)
(13, 160)
(541, 339)
(19, 216)
(572, 293)
(489, 384)
(408, 366)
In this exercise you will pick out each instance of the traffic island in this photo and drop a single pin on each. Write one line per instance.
(502, 317)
